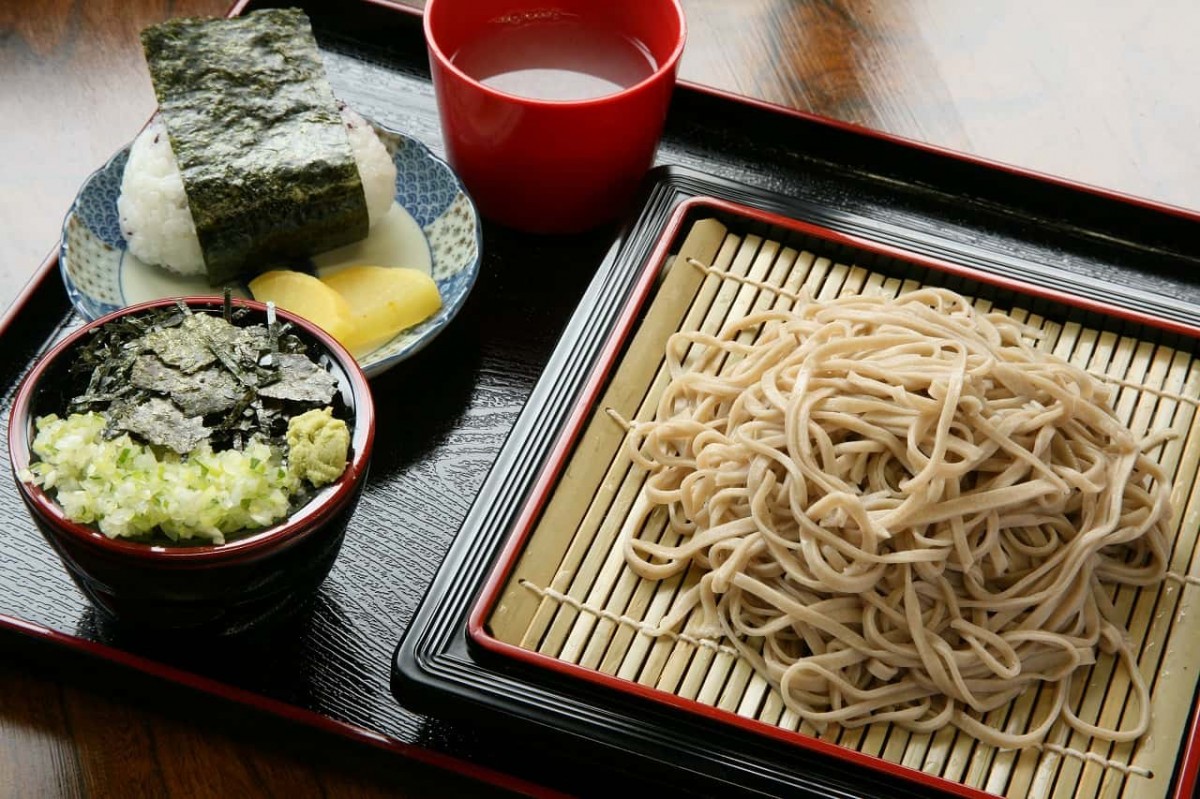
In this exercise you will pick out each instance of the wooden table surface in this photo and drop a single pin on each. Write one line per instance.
(1103, 94)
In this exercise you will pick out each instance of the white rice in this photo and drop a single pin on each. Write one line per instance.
(155, 219)
(157, 224)
(376, 168)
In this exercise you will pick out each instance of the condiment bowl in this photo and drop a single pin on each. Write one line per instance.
(212, 588)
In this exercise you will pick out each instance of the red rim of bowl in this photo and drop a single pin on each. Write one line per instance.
(668, 65)
(328, 501)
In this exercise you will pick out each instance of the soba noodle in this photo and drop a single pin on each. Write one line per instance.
(900, 511)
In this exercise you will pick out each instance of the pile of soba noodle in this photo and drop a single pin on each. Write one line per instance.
(900, 511)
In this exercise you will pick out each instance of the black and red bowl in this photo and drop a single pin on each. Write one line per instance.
(217, 589)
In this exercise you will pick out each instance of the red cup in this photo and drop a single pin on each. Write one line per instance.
(520, 88)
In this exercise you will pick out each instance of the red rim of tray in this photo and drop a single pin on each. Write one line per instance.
(579, 415)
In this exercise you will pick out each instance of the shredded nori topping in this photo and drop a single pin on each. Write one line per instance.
(300, 380)
(198, 394)
(174, 378)
(161, 422)
(265, 159)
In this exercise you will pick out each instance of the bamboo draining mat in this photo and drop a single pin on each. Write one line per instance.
(571, 597)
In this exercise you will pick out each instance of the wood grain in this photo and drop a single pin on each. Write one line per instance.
(1099, 93)
(1102, 94)
(59, 738)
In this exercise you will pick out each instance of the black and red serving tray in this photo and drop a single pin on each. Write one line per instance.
(450, 651)
(466, 426)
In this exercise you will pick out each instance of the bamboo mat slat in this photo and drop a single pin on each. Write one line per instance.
(571, 597)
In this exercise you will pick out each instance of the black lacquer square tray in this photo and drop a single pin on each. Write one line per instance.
(537, 615)
(464, 423)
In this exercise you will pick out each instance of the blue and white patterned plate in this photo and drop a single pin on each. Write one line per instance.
(432, 226)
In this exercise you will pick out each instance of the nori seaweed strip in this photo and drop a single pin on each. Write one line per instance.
(265, 159)
(247, 379)
(161, 422)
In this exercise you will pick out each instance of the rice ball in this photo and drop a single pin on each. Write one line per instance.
(153, 208)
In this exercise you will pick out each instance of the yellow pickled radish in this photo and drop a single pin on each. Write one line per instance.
(307, 297)
(383, 301)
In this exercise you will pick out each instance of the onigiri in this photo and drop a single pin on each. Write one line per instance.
(156, 222)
